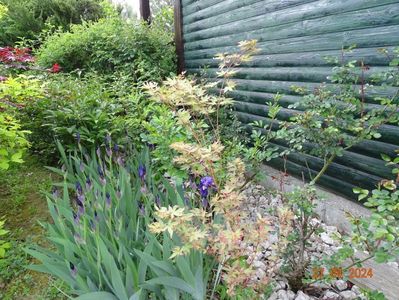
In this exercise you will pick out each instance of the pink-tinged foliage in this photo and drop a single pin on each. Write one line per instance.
(12, 55)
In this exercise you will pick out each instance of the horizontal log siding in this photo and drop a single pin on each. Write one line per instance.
(295, 37)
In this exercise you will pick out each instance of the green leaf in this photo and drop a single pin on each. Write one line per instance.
(98, 296)
(385, 157)
(173, 282)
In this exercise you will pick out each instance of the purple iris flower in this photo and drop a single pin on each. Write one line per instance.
(88, 183)
(206, 183)
(142, 209)
(101, 173)
(116, 147)
(108, 150)
(81, 167)
(108, 199)
(119, 161)
(79, 189)
(158, 201)
(55, 192)
(76, 218)
(74, 270)
(142, 172)
(81, 208)
(77, 137)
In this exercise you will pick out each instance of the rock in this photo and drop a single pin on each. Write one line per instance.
(259, 265)
(330, 295)
(280, 285)
(273, 296)
(348, 295)
(291, 295)
(260, 273)
(341, 285)
(356, 290)
(321, 285)
(301, 296)
(282, 295)
(393, 264)
(326, 238)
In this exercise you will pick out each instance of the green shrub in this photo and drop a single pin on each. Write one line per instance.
(13, 141)
(80, 108)
(25, 19)
(111, 47)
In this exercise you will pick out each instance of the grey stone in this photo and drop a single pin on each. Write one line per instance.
(291, 295)
(341, 285)
(331, 295)
(280, 285)
(348, 295)
(301, 296)
(326, 238)
(393, 264)
(273, 296)
(282, 295)
(259, 265)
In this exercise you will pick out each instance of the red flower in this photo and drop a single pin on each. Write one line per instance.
(55, 68)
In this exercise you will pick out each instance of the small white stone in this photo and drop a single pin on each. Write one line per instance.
(301, 296)
(259, 265)
(282, 295)
(273, 296)
(260, 273)
(291, 295)
(326, 238)
(348, 295)
(280, 285)
(331, 295)
(393, 264)
(341, 285)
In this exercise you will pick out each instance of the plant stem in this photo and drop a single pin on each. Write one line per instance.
(327, 163)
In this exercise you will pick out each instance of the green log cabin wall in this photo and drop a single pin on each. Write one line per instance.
(294, 37)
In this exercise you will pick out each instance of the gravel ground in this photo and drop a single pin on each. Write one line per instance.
(262, 202)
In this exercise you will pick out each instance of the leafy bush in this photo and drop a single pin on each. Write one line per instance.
(13, 141)
(84, 109)
(111, 46)
(337, 119)
(3, 244)
(25, 19)
(103, 246)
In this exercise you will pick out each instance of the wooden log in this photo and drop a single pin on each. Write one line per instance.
(304, 74)
(331, 24)
(335, 170)
(363, 38)
(338, 186)
(247, 19)
(351, 159)
(370, 56)
(204, 10)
